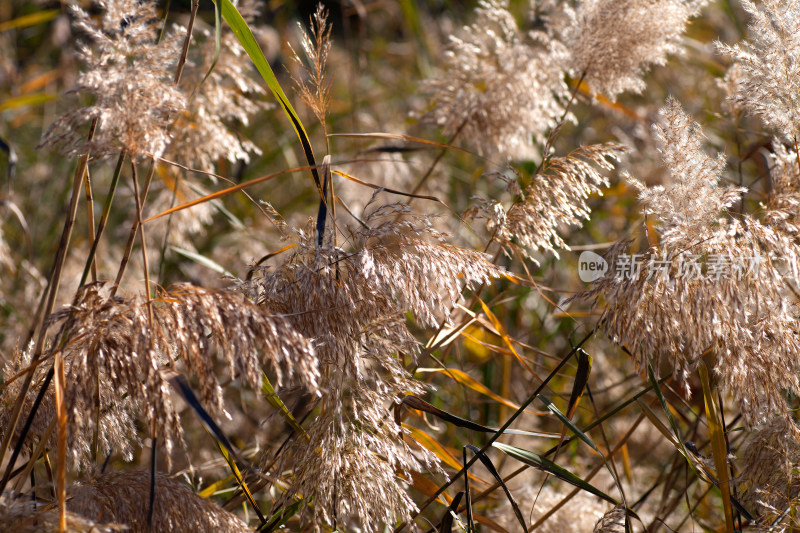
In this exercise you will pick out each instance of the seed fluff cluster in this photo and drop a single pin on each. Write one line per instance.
(502, 90)
(613, 43)
(768, 81)
(733, 304)
(554, 199)
(128, 75)
(353, 305)
(115, 348)
(123, 498)
(770, 477)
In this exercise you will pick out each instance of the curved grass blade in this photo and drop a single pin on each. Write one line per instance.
(186, 392)
(581, 379)
(431, 444)
(506, 339)
(567, 422)
(446, 524)
(27, 100)
(470, 520)
(428, 488)
(240, 480)
(250, 45)
(583, 436)
(392, 191)
(422, 405)
(483, 458)
(268, 391)
(33, 19)
(718, 446)
(202, 260)
(400, 137)
(537, 461)
(687, 450)
(216, 486)
(224, 445)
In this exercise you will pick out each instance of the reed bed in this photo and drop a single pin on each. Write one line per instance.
(497, 265)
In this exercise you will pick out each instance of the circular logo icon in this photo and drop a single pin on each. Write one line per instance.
(591, 266)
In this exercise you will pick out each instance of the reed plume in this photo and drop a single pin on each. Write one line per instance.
(353, 305)
(500, 89)
(123, 498)
(128, 76)
(554, 199)
(715, 283)
(769, 76)
(112, 344)
(612, 44)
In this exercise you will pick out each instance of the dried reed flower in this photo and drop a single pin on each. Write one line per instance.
(353, 306)
(783, 205)
(25, 516)
(694, 198)
(128, 77)
(123, 498)
(200, 133)
(714, 284)
(613, 43)
(554, 199)
(612, 522)
(315, 88)
(501, 92)
(770, 478)
(769, 81)
(115, 416)
(114, 352)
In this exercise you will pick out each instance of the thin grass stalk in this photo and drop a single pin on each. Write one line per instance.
(152, 498)
(607, 444)
(139, 202)
(186, 41)
(56, 279)
(87, 186)
(436, 161)
(41, 446)
(555, 448)
(104, 217)
(163, 254)
(731, 472)
(61, 462)
(28, 422)
(718, 446)
(96, 430)
(134, 230)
